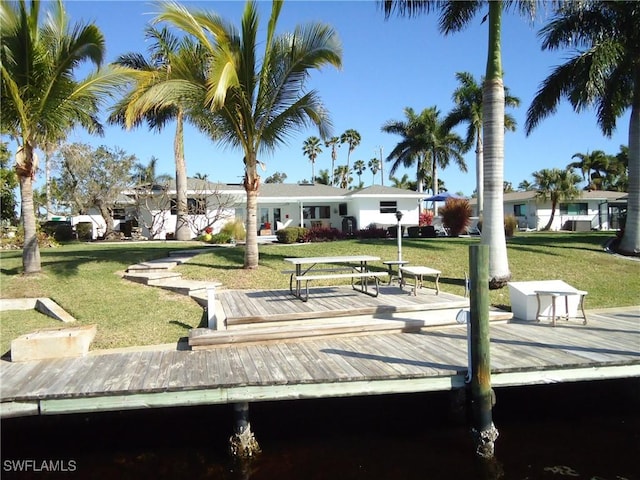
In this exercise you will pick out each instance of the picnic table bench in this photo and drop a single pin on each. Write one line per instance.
(354, 267)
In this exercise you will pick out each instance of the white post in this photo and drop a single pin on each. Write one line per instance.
(212, 321)
(399, 217)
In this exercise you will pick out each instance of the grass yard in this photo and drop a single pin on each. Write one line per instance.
(85, 278)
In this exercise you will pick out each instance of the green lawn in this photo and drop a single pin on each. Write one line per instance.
(85, 278)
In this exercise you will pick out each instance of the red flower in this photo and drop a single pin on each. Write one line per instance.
(208, 230)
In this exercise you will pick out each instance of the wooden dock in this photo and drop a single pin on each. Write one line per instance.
(427, 359)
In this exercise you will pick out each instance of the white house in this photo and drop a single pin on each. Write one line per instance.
(592, 210)
(152, 210)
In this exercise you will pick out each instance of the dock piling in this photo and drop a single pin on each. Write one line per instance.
(243, 443)
(483, 429)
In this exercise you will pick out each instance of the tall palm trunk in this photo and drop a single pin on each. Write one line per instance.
(30, 250)
(554, 205)
(493, 131)
(434, 182)
(479, 173)
(630, 242)
(183, 231)
(251, 187)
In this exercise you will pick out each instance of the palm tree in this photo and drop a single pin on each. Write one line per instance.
(311, 148)
(556, 185)
(468, 100)
(596, 161)
(334, 143)
(257, 102)
(201, 176)
(147, 175)
(342, 176)
(425, 139)
(374, 166)
(603, 72)
(41, 101)
(157, 97)
(404, 183)
(323, 178)
(454, 16)
(525, 186)
(359, 167)
(352, 138)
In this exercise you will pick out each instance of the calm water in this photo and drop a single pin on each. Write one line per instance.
(572, 431)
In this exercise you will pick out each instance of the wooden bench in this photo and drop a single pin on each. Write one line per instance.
(417, 272)
(363, 287)
(292, 273)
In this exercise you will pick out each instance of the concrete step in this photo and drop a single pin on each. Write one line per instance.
(152, 278)
(153, 266)
(356, 325)
(188, 287)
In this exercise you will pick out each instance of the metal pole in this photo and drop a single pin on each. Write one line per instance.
(483, 430)
(399, 242)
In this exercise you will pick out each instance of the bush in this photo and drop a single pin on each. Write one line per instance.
(291, 234)
(456, 215)
(60, 231)
(321, 234)
(373, 232)
(234, 229)
(426, 218)
(220, 238)
(85, 231)
(510, 225)
(413, 232)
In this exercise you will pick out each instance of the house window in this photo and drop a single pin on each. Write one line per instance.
(388, 207)
(520, 210)
(574, 209)
(321, 211)
(118, 214)
(195, 206)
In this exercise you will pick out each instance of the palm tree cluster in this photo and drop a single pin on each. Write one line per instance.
(603, 172)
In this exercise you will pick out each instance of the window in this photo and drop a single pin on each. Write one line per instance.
(343, 209)
(195, 206)
(118, 214)
(388, 207)
(520, 210)
(322, 211)
(574, 209)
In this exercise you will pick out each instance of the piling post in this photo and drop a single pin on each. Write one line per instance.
(212, 321)
(483, 430)
(243, 443)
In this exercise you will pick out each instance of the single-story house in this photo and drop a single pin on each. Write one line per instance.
(152, 212)
(591, 210)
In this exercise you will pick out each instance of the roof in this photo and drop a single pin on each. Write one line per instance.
(382, 191)
(603, 195)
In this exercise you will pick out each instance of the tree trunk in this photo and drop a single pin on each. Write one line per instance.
(630, 243)
(31, 250)
(183, 231)
(434, 182)
(108, 221)
(547, 227)
(251, 186)
(479, 174)
(493, 158)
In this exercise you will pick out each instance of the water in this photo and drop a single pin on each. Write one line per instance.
(587, 431)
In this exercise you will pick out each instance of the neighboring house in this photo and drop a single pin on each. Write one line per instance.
(152, 210)
(592, 210)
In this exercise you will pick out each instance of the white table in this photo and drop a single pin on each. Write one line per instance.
(355, 266)
(554, 295)
(417, 272)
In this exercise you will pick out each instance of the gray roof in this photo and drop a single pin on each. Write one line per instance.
(382, 191)
(603, 195)
(299, 190)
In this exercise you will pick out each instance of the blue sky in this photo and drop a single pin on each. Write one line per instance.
(387, 65)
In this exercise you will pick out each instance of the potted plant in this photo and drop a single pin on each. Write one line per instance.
(427, 230)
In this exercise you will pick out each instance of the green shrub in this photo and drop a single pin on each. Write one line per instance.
(85, 231)
(235, 229)
(221, 238)
(291, 234)
(456, 215)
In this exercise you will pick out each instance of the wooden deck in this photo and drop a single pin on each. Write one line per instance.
(429, 360)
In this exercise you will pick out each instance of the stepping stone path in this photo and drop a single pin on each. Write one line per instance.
(157, 273)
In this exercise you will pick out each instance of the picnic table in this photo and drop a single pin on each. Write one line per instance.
(325, 268)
